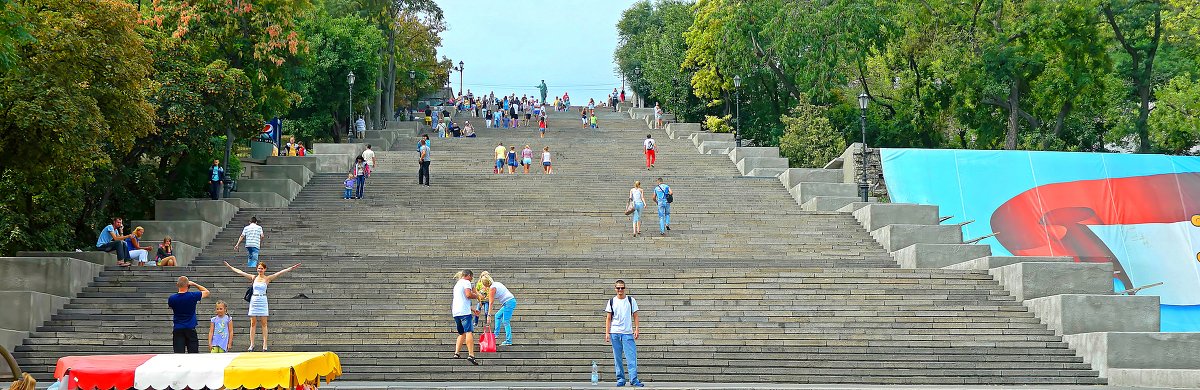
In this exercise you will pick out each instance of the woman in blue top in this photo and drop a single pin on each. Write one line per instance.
(512, 159)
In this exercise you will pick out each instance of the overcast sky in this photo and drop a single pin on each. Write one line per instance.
(510, 46)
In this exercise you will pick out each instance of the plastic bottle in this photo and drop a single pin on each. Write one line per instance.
(595, 373)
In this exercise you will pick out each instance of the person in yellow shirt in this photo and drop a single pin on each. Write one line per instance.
(500, 154)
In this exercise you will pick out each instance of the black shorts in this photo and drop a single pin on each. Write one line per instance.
(514, 116)
(528, 115)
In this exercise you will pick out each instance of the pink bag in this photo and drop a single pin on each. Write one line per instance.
(487, 341)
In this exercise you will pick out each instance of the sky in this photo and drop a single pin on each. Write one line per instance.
(510, 46)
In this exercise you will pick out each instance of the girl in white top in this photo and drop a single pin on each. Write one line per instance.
(546, 168)
(637, 202)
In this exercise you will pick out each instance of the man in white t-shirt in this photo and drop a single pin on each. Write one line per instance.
(464, 315)
(650, 148)
(621, 329)
(253, 234)
(369, 155)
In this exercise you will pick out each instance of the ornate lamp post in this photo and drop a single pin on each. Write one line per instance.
(459, 69)
(412, 105)
(637, 74)
(350, 127)
(737, 122)
(863, 101)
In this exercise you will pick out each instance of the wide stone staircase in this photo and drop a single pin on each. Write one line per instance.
(746, 287)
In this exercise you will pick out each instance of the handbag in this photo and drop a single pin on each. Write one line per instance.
(249, 293)
(629, 208)
(487, 341)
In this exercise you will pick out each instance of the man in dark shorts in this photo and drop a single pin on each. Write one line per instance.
(461, 309)
(183, 305)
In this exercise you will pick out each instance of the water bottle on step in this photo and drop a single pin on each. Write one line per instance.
(595, 373)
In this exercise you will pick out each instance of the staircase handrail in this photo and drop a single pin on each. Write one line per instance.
(12, 363)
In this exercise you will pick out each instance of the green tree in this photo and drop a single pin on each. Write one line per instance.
(337, 46)
(808, 140)
(77, 93)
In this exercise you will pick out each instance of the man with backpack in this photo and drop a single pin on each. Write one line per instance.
(621, 329)
(650, 147)
(663, 197)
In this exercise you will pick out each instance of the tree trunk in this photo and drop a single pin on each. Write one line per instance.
(1014, 124)
(389, 90)
(377, 105)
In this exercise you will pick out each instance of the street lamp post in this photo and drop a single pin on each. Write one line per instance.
(459, 69)
(412, 78)
(737, 122)
(863, 187)
(350, 127)
(637, 74)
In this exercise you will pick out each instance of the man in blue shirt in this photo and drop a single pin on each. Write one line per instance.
(423, 159)
(216, 178)
(183, 305)
(663, 197)
(111, 240)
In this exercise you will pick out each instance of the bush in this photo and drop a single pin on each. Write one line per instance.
(808, 140)
(718, 124)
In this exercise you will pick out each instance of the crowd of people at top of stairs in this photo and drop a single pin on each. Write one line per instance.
(129, 249)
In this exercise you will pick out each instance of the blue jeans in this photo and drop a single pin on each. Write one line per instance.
(252, 256)
(664, 216)
(637, 211)
(359, 184)
(116, 246)
(483, 310)
(348, 194)
(623, 346)
(504, 319)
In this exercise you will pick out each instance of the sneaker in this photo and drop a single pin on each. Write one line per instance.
(639, 384)
(506, 343)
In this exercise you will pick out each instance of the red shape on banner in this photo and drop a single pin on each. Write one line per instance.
(1052, 219)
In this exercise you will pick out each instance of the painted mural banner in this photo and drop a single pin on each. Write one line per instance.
(1139, 212)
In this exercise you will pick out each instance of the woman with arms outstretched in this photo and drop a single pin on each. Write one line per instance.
(258, 300)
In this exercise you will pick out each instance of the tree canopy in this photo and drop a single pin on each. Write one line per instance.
(1087, 75)
(106, 106)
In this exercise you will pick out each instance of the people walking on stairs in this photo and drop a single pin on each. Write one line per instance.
(460, 309)
(183, 310)
(546, 167)
(253, 234)
(257, 296)
(369, 156)
(498, 294)
(663, 196)
(512, 159)
(658, 116)
(593, 121)
(423, 159)
(220, 330)
(650, 148)
(526, 158)
(542, 126)
(500, 151)
(361, 172)
(111, 240)
(349, 186)
(621, 329)
(583, 118)
(636, 203)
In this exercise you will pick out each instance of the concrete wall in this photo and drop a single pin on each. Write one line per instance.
(61, 276)
(879, 215)
(261, 199)
(27, 310)
(297, 173)
(1036, 280)
(1079, 313)
(216, 212)
(308, 161)
(194, 232)
(284, 187)
(794, 176)
(10, 339)
(737, 154)
(1137, 350)
(939, 255)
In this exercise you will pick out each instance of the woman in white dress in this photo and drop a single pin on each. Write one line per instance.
(258, 300)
